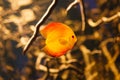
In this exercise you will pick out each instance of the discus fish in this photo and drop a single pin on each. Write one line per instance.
(59, 38)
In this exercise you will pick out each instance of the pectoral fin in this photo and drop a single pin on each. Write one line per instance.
(63, 41)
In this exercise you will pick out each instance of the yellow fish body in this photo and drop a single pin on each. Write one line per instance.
(59, 38)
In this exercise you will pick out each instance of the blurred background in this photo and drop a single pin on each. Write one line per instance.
(96, 55)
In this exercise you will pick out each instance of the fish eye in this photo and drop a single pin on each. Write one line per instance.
(72, 36)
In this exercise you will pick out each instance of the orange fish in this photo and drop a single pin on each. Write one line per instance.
(59, 38)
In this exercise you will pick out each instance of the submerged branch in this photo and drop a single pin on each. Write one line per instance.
(103, 20)
(37, 26)
(80, 2)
